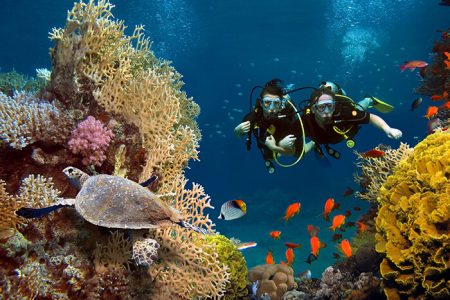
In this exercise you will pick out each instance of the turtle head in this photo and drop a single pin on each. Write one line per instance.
(75, 176)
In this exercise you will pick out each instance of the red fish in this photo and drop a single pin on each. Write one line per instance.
(346, 248)
(446, 105)
(357, 208)
(431, 111)
(348, 213)
(338, 221)
(413, 64)
(447, 54)
(444, 96)
(447, 64)
(269, 258)
(361, 226)
(336, 237)
(313, 230)
(292, 210)
(329, 206)
(292, 245)
(349, 191)
(373, 153)
(290, 256)
(275, 234)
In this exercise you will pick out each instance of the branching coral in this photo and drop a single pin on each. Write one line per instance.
(8, 207)
(115, 255)
(413, 223)
(25, 119)
(187, 254)
(374, 171)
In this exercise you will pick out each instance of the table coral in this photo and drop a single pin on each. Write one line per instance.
(413, 223)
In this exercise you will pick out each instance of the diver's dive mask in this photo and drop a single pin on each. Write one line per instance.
(272, 105)
(328, 105)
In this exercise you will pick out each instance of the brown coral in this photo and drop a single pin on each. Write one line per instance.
(374, 171)
(413, 223)
(8, 207)
(274, 280)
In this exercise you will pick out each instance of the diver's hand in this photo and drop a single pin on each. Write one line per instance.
(287, 142)
(271, 143)
(242, 128)
(393, 133)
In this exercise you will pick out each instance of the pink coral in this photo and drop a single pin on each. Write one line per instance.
(91, 139)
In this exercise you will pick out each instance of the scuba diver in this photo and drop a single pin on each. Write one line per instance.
(332, 117)
(275, 123)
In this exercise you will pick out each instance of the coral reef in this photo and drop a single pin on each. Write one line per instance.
(230, 256)
(374, 171)
(413, 223)
(25, 119)
(11, 82)
(274, 280)
(90, 139)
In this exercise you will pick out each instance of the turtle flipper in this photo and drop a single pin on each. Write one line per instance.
(149, 181)
(29, 213)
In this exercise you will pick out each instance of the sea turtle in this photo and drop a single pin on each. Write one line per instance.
(114, 202)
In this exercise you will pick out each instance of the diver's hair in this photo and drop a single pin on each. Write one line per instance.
(273, 87)
(319, 92)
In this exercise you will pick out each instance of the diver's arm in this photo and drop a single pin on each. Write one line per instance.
(378, 122)
(284, 147)
(242, 129)
(309, 146)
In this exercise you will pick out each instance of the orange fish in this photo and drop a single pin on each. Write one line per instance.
(447, 64)
(338, 221)
(444, 96)
(413, 64)
(313, 230)
(346, 248)
(269, 258)
(361, 226)
(292, 245)
(431, 111)
(447, 54)
(329, 206)
(446, 105)
(373, 153)
(292, 210)
(275, 234)
(290, 256)
(316, 245)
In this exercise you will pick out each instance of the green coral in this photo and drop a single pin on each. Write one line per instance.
(230, 256)
(413, 223)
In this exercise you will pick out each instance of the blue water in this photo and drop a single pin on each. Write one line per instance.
(224, 48)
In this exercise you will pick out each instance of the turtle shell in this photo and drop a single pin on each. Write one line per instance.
(116, 202)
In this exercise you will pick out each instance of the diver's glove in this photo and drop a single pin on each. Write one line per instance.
(394, 133)
(242, 128)
(287, 142)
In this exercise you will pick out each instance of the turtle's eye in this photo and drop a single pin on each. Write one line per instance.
(70, 170)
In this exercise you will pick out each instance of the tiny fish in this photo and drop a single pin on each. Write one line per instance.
(269, 258)
(232, 209)
(361, 226)
(336, 237)
(275, 234)
(413, 64)
(431, 111)
(304, 275)
(247, 245)
(373, 153)
(290, 256)
(346, 248)
(416, 103)
(292, 210)
(349, 191)
(338, 221)
(292, 245)
(311, 258)
(313, 230)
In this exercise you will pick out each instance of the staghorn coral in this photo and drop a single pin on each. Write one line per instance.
(413, 223)
(374, 171)
(38, 191)
(90, 139)
(114, 255)
(230, 256)
(274, 280)
(25, 119)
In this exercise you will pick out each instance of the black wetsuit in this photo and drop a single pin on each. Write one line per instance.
(346, 119)
(279, 128)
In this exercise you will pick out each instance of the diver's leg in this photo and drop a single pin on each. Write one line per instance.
(366, 103)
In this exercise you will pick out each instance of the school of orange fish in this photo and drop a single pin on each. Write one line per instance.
(338, 223)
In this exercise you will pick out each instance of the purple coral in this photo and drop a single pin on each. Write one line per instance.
(91, 139)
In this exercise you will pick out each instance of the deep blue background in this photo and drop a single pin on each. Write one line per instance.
(224, 48)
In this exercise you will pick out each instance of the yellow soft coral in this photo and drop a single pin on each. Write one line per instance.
(413, 222)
